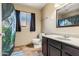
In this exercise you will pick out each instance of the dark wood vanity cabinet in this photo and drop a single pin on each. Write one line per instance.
(54, 48)
(51, 47)
(45, 46)
(53, 51)
(65, 54)
(68, 50)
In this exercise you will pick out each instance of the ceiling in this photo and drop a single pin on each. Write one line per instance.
(35, 5)
(69, 8)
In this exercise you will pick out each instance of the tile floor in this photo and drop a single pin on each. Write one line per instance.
(27, 51)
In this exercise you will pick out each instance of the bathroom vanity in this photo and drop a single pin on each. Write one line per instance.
(52, 46)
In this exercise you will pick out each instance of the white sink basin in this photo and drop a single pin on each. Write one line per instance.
(58, 37)
(74, 39)
(62, 38)
(54, 35)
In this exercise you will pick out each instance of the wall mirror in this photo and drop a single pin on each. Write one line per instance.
(68, 15)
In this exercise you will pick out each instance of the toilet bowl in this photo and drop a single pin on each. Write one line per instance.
(37, 42)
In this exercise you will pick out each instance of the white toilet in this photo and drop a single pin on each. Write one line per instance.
(37, 41)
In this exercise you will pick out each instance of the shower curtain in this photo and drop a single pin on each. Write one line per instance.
(8, 28)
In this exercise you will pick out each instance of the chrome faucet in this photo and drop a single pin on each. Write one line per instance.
(66, 36)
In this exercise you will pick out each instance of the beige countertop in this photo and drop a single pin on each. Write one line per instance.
(71, 40)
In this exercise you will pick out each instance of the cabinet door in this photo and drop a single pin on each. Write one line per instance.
(71, 51)
(44, 46)
(53, 51)
(65, 54)
(54, 43)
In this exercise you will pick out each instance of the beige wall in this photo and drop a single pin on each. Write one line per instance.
(49, 19)
(25, 36)
(49, 22)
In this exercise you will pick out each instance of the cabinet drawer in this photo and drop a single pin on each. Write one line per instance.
(70, 50)
(54, 43)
